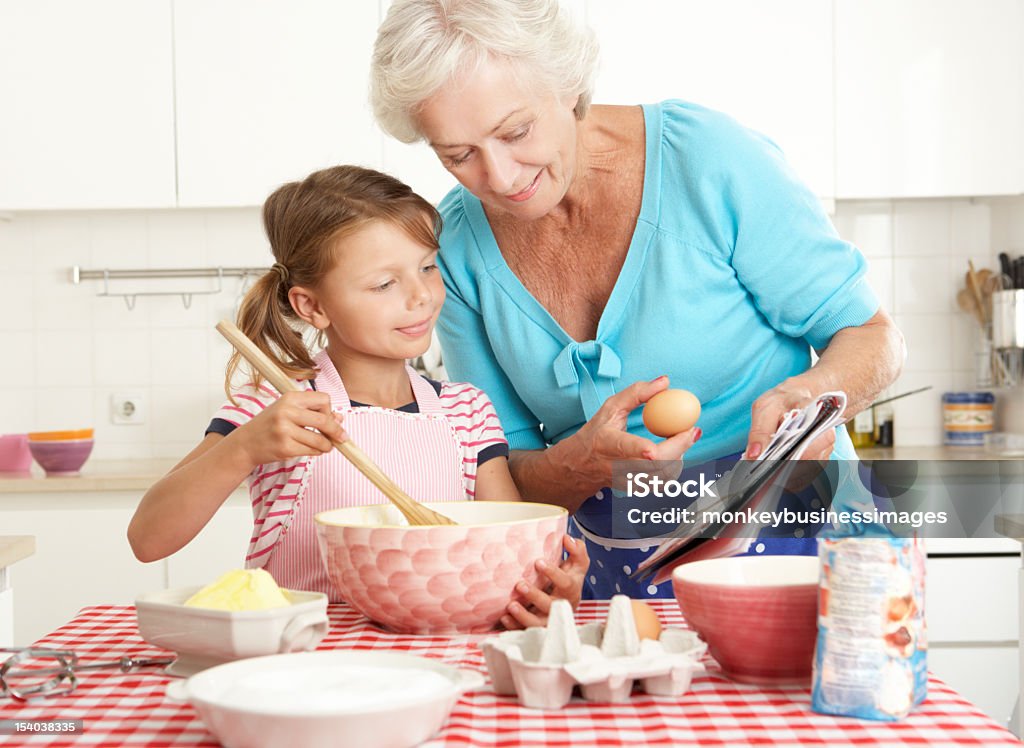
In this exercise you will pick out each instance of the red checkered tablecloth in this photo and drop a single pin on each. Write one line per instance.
(132, 709)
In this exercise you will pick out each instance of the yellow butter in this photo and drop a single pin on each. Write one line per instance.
(240, 589)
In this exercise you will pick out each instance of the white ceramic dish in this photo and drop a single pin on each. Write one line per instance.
(336, 698)
(204, 638)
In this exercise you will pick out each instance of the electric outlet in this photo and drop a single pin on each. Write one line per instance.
(130, 409)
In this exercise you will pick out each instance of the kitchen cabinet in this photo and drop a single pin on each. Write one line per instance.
(769, 65)
(88, 113)
(929, 97)
(267, 92)
(972, 627)
(83, 558)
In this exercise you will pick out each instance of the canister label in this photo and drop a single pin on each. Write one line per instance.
(967, 417)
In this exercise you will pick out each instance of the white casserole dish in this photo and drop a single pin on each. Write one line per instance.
(203, 637)
(339, 697)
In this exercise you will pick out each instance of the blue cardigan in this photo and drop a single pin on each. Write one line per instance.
(733, 274)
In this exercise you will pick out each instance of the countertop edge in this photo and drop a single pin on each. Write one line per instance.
(97, 475)
(1010, 525)
(14, 548)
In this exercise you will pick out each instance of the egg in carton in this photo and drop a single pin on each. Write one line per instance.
(542, 665)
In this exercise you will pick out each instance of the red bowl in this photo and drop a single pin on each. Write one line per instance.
(758, 614)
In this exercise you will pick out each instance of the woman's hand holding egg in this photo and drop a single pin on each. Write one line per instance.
(604, 439)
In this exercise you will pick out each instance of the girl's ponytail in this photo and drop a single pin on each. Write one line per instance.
(266, 317)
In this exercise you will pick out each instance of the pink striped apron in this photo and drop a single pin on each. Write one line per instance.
(420, 451)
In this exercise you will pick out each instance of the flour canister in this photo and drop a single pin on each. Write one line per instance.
(967, 417)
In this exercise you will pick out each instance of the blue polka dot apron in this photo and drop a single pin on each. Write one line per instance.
(613, 560)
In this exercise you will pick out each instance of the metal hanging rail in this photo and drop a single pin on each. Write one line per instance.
(78, 275)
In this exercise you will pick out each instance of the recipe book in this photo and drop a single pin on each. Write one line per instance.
(747, 486)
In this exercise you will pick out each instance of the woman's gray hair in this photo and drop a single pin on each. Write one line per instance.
(423, 44)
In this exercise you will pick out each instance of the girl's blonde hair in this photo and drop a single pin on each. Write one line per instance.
(424, 44)
(304, 221)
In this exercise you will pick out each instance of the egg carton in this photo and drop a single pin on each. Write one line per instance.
(544, 665)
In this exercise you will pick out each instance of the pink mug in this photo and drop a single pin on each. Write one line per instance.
(14, 454)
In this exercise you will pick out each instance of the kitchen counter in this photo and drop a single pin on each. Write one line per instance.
(1012, 526)
(938, 452)
(15, 547)
(96, 475)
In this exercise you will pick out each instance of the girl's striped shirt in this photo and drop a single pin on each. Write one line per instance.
(275, 487)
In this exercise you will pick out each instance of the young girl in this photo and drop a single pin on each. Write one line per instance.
(355, 255)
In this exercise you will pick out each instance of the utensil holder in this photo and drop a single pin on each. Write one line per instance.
(1008, 318)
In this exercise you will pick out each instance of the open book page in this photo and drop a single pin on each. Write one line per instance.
(747, 486)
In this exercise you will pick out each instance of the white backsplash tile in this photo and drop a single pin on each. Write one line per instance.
(971, 230)
(176, 239)
(922, 228)
(63, 358)
(128, 451)
(120, 239)
(123, 357)
(17, 245)
(59, 408)
(180, 414)
(73, 350)
(19, 410)
(18, 295)
(966, 341)
(923, 285)
(869, 224)
(917, 420)
(19, 353)
(170, 366)
(61, 239)
(58, 304)
(929, 347)
(880, 276)
(112, 314)
(173, 450)
(236, 238)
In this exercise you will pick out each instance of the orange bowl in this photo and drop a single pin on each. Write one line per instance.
(59, 436)
(758, 614)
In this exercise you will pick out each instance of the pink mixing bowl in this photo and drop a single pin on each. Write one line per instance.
(61, 457)
(758, 614)
(438, 579)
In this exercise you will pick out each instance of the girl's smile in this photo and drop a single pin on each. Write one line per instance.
(380, 300)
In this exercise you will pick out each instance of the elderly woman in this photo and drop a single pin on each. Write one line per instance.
(594, 253)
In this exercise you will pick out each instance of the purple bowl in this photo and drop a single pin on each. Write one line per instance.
(61, 457)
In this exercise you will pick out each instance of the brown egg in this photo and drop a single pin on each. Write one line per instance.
(671, 412)
(647, 624)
